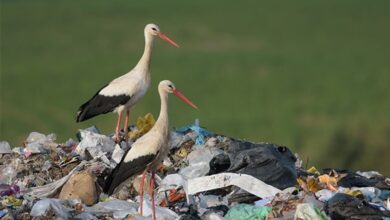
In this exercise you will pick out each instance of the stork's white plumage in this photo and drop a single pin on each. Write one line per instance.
(149, 150)
(125, 91)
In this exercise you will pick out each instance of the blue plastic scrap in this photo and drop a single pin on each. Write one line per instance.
(385, 194)
(201, 133)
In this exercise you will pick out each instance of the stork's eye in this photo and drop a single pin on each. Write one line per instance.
(170, 86)
(154, 29)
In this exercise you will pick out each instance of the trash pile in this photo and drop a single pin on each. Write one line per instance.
(205, 176)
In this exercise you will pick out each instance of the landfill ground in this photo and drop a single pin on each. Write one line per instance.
(205, 176)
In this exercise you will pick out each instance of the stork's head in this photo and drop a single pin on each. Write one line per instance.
(153, 30)
(168, 87)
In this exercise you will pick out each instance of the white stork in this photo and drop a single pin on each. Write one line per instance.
(124, 92)
(147, 152)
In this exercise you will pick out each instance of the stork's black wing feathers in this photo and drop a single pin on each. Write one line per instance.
(100, 104)
(124, 171)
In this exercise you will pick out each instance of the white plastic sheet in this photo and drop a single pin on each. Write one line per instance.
(119, 208)
(94, 143)
(117, 154)
(43, 206)
(161, 213)
(171, 181)
(199, 161)
(244, 181)
(5, 148)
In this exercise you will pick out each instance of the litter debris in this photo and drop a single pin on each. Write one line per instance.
(12, 201)
(52, 188)
(8, 190)
(35, 137)
(49, 208)
(201, 133)
(92, 129)
(275, 165)
(248, 212)
(8, 173)
(144, 124)
(177, 139)
(199, 161)
(343, 206)
(369, 174)
(161, 213)
(172, 181)
(34, 148)
(205, 176)
(5, 148)
(117, 154)
(217, 181)
(95, 144)
(117, 209)
(308, 211)
(2, 213)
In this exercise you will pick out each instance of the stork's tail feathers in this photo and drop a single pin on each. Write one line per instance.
(108, 187)
(80, 115)
(84, 112)
(125, 170)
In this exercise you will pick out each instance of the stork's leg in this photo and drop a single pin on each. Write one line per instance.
(152, 196)
(117, 138)
(127, 126)
(141, 192)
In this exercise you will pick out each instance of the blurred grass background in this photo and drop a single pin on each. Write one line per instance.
(312, 75)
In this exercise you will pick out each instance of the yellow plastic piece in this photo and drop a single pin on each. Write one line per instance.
(355, 193)
(144, 124)
(12, 200)
(313, 170)
(182, 152)
(310, 184)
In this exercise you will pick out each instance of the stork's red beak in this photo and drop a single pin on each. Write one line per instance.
(185, 99)
(167, 39)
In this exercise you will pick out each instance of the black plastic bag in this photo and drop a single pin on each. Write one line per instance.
(342, 206)
(273, 164)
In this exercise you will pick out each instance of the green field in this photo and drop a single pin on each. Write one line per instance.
(311, 75)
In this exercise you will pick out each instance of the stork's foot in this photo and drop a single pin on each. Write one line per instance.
(117, 139)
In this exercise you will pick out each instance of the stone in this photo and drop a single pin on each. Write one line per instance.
(80, 186)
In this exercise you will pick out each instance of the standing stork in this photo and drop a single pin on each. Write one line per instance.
(124, 92)
(147, 152)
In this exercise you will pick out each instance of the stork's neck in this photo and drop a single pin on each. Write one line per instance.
(144, 62)
(162, 122)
